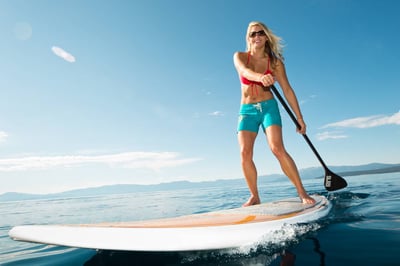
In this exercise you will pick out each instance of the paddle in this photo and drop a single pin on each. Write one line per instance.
(332, 181)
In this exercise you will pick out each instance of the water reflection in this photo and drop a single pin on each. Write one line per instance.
(270, 256)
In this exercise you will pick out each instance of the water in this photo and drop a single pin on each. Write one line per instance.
(363, 227)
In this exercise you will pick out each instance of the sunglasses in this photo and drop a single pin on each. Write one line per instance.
(257, 33)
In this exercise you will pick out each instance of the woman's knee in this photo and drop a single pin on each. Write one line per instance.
(278, 150)
(246, 154)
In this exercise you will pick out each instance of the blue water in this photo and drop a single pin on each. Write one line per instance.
(363, 227)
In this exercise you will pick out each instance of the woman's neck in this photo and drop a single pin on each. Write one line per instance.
(258, 53)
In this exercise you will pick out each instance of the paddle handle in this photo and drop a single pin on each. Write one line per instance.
(278, 95)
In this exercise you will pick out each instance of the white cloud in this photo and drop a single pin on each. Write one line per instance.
(330, 135)
(216, 113)
(148, 160)
(63, 54)
(206, 92)
(3, 136)
(304, 101)
(368, 121)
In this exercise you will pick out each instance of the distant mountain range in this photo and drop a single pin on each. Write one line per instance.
(313, 172)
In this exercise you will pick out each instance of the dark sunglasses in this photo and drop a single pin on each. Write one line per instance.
(257, 33)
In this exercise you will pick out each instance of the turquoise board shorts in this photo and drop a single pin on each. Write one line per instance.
(252, 115)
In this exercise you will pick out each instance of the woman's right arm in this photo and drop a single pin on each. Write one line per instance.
(239, 61)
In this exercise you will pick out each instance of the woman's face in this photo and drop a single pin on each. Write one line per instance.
(257, 36)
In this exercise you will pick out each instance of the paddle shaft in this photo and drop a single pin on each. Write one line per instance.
(278, 95)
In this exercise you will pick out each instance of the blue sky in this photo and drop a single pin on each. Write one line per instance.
(143, 92)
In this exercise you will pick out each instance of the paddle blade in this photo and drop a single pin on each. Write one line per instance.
(333, 182)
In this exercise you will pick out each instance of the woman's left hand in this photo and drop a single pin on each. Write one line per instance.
(267, 80)
(303, 126)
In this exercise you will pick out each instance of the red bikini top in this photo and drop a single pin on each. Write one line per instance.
(251, 82)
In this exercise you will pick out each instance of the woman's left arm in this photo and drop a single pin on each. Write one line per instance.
(281, 77)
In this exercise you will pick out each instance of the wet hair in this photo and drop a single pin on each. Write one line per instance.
(273, 47)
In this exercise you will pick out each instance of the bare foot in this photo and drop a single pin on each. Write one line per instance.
(306, 199)
(252, 201)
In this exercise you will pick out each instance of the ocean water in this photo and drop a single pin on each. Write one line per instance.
(363, 227)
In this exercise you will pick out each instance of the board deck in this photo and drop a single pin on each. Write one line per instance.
(213, 230)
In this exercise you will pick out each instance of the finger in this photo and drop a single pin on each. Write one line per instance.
(267, 80)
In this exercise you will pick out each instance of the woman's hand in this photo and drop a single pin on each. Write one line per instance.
(267, 80)
(303, 126)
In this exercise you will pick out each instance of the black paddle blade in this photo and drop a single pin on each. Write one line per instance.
(333, 182)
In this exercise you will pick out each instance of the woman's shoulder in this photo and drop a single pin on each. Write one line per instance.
(278, 63)
(240, 55)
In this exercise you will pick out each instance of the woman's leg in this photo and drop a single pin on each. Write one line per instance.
(275, 141)
(246, 143)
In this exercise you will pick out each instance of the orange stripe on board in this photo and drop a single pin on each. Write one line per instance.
(246, 219)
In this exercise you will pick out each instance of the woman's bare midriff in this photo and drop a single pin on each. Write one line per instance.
(261, 95)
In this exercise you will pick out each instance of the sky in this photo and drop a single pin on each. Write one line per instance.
(96, 93)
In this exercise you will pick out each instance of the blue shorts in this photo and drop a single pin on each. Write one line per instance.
(265, 113)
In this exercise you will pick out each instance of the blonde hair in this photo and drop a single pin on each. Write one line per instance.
(273, 47)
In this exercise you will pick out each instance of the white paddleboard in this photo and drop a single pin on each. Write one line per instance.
(230, 228)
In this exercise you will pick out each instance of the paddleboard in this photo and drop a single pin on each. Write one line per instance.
(231, 228)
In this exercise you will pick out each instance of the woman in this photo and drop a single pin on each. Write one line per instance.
(258, 68)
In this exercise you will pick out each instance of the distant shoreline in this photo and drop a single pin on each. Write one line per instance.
(371, 172)
(309, 173)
